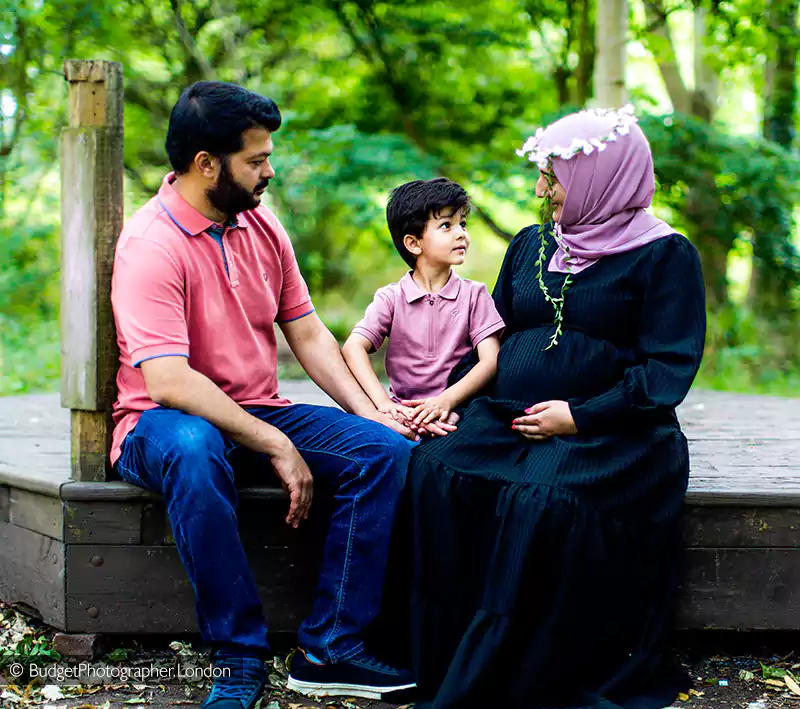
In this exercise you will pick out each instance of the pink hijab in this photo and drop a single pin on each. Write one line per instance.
(607, 191)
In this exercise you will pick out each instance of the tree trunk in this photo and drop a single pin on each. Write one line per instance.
(586, 55)
(766, 291)
(704, 97)
(611, 43)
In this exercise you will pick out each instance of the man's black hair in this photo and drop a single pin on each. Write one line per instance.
(412, 204)
(211, 116)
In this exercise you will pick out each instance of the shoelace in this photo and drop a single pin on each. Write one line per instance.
(241, 679)
(374, 663)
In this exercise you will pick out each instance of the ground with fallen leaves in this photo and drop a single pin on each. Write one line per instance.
(729, 671)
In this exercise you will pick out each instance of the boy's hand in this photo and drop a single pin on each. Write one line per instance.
(435, 408)
(440, 428)
(400, 413)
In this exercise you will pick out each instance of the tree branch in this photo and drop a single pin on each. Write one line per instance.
(490, 222)
(189, 44)
(668, 66)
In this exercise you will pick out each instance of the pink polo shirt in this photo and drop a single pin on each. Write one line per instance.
(428, 332)
(175, 294)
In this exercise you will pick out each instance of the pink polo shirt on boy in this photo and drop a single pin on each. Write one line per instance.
(428, 332)
(175, 294)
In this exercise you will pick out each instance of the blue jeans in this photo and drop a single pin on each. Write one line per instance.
(361, 463)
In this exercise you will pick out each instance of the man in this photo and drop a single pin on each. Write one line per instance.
(202, 272)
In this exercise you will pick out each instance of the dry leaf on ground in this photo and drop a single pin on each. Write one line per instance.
(792, 684)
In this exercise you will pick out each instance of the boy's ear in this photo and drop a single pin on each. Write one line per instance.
(411, 242)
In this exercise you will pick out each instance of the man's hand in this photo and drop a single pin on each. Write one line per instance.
(296, 480)
(389, 422)
(400, 413)
(545, 420)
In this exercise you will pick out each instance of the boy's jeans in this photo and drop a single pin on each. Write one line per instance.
(360, 462)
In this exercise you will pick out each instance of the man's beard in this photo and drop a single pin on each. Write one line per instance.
(229, 197)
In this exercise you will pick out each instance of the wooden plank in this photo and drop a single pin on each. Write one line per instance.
(121, 491)
(38, 513)
(741, 589)
(102, 522)
(32, 572)
(262, 519)
(105, 491)
(5, 493)
(91, 441)
(755, 527)
(91, 219)
(144, 589)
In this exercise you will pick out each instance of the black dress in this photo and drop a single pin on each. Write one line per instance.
(544, 572)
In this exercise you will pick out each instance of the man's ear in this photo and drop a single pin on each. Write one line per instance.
(412, 243)
(207, 165)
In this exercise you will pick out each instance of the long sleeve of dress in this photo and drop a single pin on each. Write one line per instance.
(668, 349)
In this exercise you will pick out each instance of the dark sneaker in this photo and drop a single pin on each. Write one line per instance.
(360, 676)
(238, 682)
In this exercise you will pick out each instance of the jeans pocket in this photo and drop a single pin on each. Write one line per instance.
(127, 462)
(129, 476)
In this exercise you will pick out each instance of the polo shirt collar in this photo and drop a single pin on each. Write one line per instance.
(413, 292)
(183, 214)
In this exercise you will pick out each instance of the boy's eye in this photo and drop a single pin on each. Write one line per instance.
(444, 225)
(257, 163)
(463, 225)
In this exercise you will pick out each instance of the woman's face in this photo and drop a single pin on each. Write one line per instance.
(557, 192)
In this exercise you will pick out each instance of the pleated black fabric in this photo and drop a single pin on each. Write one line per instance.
(544, 572)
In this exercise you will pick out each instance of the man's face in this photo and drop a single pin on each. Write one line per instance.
(244, 176)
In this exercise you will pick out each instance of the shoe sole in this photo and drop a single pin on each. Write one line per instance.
(330, 689)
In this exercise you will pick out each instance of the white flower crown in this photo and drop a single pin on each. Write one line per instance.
(624, 117)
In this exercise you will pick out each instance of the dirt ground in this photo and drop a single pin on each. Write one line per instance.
(737, 670)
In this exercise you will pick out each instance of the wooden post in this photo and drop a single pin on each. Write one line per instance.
(91, 219)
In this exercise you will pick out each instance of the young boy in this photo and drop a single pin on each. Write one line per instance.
(431, 316)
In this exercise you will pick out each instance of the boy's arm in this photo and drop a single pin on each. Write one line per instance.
(356, 353)
(479, 376)
(438, 408)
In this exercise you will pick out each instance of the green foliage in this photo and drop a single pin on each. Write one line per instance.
(28, 650)
(723, 188)
(375, 93)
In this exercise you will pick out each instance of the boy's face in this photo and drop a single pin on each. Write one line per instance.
(444, 242)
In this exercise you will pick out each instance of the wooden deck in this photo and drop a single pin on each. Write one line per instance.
(98, 557)
(744, 449)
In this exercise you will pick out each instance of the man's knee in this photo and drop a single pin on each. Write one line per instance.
(390, 448)
(194, 439)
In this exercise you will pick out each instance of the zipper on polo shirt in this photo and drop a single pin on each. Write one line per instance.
(230, 262)
(431, 327)
(220, 237)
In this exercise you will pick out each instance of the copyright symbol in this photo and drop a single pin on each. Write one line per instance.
(16, 670)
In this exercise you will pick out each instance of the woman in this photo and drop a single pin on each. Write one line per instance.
(546, 528)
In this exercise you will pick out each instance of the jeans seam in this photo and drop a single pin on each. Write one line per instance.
(348, 553)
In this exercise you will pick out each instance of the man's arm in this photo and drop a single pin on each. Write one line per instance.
(171, 382)
(318, 353)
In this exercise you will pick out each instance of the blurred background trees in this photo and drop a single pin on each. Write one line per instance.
(377, 92)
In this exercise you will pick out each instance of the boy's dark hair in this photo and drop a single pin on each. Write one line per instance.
(412, 204)
(211, 116)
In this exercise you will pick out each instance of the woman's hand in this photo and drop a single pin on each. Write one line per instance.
(545, 420)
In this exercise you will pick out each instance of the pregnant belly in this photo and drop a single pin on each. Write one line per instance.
(579, 366)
